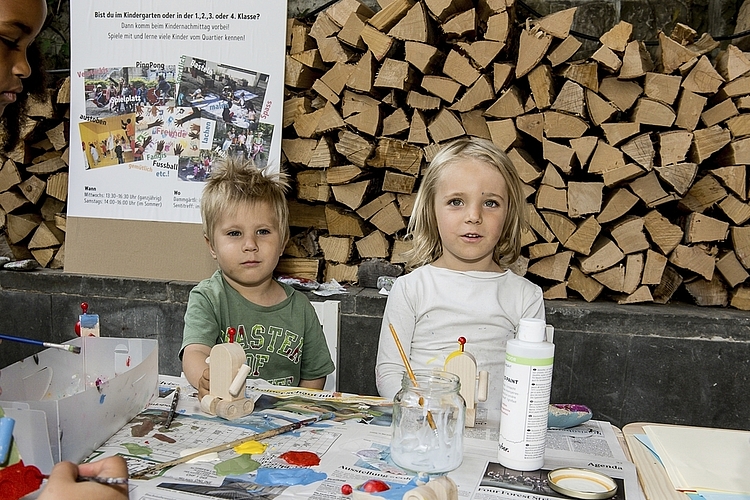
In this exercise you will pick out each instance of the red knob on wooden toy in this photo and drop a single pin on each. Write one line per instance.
(462, 341)
(78, 328)
(231, 332)
(85, 307)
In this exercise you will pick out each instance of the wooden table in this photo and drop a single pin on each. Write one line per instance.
(651, 473)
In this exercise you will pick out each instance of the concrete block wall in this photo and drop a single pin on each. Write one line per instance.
(670, 363)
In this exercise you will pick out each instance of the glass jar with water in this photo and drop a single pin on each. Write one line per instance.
(428, 423)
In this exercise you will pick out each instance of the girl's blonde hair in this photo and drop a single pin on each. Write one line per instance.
(235, 181)
(423, 228)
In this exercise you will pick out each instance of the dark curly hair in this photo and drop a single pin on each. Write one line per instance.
(34, 85)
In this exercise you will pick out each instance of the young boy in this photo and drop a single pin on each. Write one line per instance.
(246, 225)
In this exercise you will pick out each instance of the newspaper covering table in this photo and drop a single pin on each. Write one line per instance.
(352, 449)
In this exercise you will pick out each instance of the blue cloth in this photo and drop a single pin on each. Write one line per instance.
(288, 477)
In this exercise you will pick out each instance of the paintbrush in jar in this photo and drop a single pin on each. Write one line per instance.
(413, 378)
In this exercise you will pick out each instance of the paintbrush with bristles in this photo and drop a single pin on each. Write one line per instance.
(65, 347)
(412, 377)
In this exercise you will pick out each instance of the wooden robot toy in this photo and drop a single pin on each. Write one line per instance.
(473, 386)
(226, 397)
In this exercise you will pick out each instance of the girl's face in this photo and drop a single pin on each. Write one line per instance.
(471, 204)
(20, 23)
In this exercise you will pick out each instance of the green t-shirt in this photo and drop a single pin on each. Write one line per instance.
(284, 343)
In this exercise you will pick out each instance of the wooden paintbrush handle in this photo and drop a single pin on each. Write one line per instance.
(413, 378)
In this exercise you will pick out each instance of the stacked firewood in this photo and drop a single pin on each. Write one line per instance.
(634, 166)
(34, 183)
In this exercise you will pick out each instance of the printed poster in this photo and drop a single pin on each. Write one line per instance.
(161, 90)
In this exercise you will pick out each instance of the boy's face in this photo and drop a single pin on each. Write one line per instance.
(247, 244)
(471, 204)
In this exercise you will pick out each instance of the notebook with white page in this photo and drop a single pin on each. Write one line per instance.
(702, 458)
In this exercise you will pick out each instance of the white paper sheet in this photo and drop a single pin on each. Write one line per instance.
(701, 458)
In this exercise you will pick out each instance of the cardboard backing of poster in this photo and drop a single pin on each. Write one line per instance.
(137, 249)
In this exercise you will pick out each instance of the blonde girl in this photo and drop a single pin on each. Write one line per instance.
(466, 230)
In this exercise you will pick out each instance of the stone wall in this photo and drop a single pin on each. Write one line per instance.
(671, 363)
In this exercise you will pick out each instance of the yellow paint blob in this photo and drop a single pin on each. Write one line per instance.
(251, 448)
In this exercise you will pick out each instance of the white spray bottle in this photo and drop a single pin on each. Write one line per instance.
(526, 390)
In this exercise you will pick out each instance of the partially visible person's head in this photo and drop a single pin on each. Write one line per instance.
(235, 182)
(20, 23)
(423, 225)
(20, 60)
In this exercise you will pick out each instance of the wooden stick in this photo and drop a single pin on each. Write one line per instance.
(228, 446)
(430, 420)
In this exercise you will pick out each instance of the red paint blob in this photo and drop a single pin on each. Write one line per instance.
(18, 480)
(375, 486)
(346, 489)
(301, 458)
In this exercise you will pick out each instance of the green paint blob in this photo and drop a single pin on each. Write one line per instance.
(137, 449)
(239, 465)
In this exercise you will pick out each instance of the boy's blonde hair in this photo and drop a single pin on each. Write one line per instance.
(423, 228)
(235, 181)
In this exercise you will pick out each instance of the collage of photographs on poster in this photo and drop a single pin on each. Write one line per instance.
(179, 117)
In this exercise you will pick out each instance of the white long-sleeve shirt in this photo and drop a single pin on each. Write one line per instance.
(431, 307)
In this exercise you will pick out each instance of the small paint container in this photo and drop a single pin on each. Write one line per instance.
(582, 483)
(6, 437)
(386, 282)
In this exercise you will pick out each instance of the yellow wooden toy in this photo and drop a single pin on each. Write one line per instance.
(473, 387)
(226, 397)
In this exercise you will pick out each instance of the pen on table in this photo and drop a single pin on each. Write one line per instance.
(173, 408)
(98, 479)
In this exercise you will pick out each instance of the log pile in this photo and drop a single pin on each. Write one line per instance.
(634, 166)
(34, 183)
